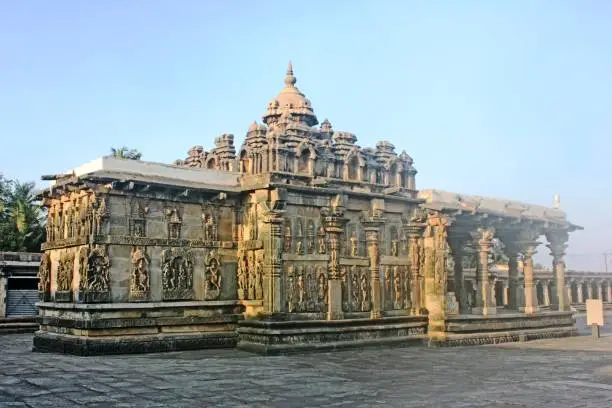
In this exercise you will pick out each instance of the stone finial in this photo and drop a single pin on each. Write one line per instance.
(290, 80)
(556, 202)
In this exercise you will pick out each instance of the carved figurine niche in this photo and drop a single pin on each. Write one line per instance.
(242, 276)
(290, 288)
(138, 218)
(321, 289)
(287, 237)
(94, 285)
(354, 244)
(177, 274)
(394, 250)
(397, 288)
(310, 237)
(174, 222)
(299, 238)
(209, 225)
(140, 286)
(259, 278)
(101, 215)
(321, 237)
(65, 270)
(44, 278)
(251, 275)
(355, 289)
(212, 277)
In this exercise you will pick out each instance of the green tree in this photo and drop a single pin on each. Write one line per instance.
(21, 217)
(125, 153)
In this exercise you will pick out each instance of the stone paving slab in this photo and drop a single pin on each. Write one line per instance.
(568, 372)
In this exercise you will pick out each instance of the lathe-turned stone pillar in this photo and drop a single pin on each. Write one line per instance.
(334, 224)
(273, 261)
(530, 289)
(457, 245)
(435, 245)
(580, 292)
(372, 228)
(589, 290)
(546, 290)
(599, 290)
(483, 242)
(414, 232)
(513, 280)
(609, 287)
(557, 243)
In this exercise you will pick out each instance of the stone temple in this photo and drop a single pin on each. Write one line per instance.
(300, 239)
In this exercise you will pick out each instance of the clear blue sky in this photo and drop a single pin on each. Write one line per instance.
(501, 98)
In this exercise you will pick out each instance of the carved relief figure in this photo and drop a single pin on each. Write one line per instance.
(251, 276)
(406, 281)
(365, 290)
(174, 222)
(300, 287)
(138, 218)
(291, 288)
(177, 274)
(101, 214)
(44, 277)
(322, 246)
(139, 275)
(388, 287)
(321, 289)
(64, 272)
(311, 237)
(98, 264)
(344, 279)
(354, 244)
(355, 289)
(299, 238)
(397, 288)
(287, 236)
(259, 279)
(253, 222)
(242, 279)
(212, 281)
(83, 267)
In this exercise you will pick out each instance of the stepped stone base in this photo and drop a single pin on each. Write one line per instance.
(476, 330)
(286, 337)
(122, 328)
(13, 325)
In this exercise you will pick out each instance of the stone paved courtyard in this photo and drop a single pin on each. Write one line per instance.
(575, 372)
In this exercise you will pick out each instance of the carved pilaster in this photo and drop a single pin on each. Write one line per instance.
(457, 245)
(414, 232)
(483, 237)
(334, 222)
(273, 254)
(557, 243)
(372, 236)
(435, 243)
(529, 249)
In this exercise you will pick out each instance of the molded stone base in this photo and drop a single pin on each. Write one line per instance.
(117, 328)
(503, 328)
(64, 296)
(285, 337)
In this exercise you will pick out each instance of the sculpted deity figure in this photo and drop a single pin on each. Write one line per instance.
(355, 288)
(363, 286)
(354, 244)
(394, 247)
(259, 279)
(322, 245)
(242, 277)
(397, 288)
(322, 289)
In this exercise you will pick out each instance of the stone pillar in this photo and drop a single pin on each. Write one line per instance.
(557, 243)
(530, 290)
(505, 295)
(513, 281)
(599, 291)
(414, 231)
(580, 293)
(3, 292)
(334, 223)
(435, 245)
(457, 245)
(546, 293)
(372, 232)
(589, 290)
(609, 286)
(484, 303)
(273, 261)
(568, 289)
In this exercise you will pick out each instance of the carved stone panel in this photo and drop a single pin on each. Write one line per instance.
(94, 285)
(177, 274)
(212, 276)
(65, 270)
(356, 289)
(140, 286)
(44, 278)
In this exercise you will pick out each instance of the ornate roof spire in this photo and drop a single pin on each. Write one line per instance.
(290, 80)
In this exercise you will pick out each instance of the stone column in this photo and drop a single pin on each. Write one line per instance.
(505, 295)
(609, 286)
(568, 289)
(372, 232)
(599, 291)
(273, 262)
(530, 290)
(484, 304)
(546, 293)
(414, 231)
(589, 290)
(557, 243)
(334, 223)
(457, 245)
(435, 245)
(513, 280)
(580, 293)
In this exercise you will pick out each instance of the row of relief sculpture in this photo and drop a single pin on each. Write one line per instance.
(306, 288)
(76, 219)
(355, 288)
(249, 280)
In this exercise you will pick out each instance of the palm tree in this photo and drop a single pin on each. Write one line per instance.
(21, 217)
(125, 153)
